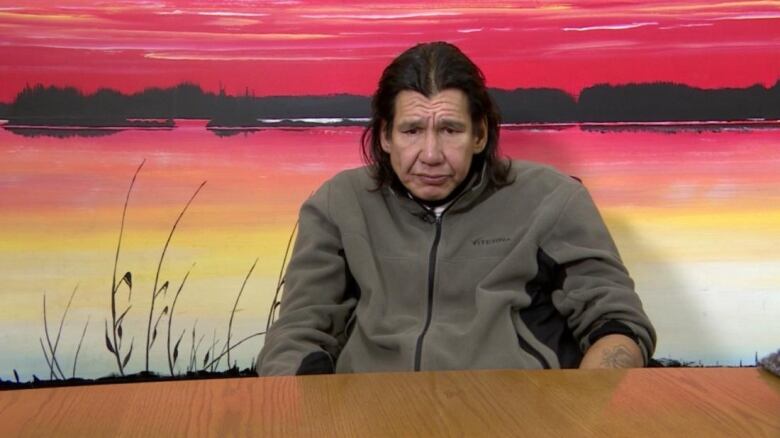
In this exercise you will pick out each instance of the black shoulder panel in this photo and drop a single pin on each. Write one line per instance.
(543, 319)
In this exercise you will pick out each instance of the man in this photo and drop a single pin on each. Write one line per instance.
(440, 255)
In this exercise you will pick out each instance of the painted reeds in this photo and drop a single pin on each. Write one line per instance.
(173, 356)
(280, 280)
(152, 335)
(233, 312)
(55, 370)
(211, 365)
(192, 366)
(115, 336)
(114, 342)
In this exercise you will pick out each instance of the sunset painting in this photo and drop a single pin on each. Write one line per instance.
(176, 140)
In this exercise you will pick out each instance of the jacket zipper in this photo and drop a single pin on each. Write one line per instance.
(431, 275)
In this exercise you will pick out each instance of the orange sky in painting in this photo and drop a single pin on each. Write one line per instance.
(316, 47)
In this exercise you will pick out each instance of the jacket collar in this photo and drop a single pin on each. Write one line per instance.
(469, 196)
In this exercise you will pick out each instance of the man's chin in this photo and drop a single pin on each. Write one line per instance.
(431, 194)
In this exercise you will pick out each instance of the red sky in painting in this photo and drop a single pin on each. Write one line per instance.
(319, 47)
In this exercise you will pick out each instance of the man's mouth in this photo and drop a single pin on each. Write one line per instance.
(434, 180)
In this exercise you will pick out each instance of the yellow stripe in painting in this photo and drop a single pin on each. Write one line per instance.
(682, 235)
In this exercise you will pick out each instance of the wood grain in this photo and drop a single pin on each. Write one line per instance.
(638, 402)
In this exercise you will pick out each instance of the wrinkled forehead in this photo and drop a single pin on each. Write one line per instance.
(447, 104)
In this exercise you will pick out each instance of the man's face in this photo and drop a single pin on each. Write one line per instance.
(432, 142)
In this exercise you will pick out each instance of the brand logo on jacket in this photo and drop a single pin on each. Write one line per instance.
(491, 241)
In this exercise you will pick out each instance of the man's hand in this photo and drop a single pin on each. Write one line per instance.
(613, 351)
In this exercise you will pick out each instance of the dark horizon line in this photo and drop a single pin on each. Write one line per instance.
(250, 92)
(644, 102)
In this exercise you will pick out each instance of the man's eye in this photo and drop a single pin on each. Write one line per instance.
(411, 131)
(449, 131)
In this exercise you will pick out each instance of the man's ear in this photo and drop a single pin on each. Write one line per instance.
(383, 140)
(481, 139)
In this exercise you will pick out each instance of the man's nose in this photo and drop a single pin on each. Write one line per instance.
(431, 153)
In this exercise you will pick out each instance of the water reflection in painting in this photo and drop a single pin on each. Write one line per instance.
(696, 216)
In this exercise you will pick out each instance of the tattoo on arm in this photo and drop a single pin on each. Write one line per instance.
(618, 357)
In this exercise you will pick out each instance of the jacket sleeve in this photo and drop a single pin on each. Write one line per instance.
(597, 296)
(314, 309)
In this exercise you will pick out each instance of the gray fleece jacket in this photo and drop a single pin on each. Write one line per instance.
(522, 276)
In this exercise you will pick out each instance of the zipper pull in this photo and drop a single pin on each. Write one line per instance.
(427, 217)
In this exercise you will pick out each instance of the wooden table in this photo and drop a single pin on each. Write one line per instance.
(692, 402)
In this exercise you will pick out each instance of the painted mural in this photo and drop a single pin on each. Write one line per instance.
(155, 153)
